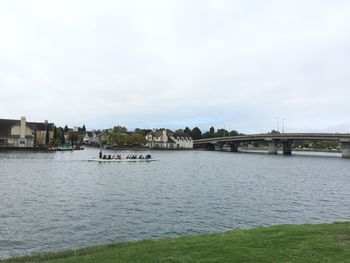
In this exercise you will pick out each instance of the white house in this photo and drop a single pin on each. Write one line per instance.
(91, 138)
(166, 139)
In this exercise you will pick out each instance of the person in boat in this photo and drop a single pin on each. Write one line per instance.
(141, 157)
(100, 154)
(148, 156)
(109, 157)
(104, 157)
(114, 157)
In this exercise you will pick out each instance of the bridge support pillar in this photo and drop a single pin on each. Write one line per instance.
(272, 147)
(345, 149)
(234, 147)
(287, 147)
(210, 147)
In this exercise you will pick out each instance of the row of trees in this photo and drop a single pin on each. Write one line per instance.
(119, 135)
(60, 134)
(196, 133)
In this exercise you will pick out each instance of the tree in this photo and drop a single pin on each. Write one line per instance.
(83, 128)
(274, 132)
(65, 128)
(137, 139)
(55, 134)
(73, 137)
(221, 133)
(119, 129)
(187, 131)
(118, 136)
(212, 131)
(62, 138)
(47, 138)
(142, 131)
(234, 133)
(196, 133)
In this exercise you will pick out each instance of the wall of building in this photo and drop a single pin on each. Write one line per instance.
(183, 142)
(16, 131)
(16, 141)
(180, 142)
(40, 137)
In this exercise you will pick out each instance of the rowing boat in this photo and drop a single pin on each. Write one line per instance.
(120, 160)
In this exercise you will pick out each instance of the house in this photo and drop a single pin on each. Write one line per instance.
(23, 134)
(91, 138)
(40, 130)
(166, 139)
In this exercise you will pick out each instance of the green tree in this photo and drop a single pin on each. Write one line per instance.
(55, 134)
(212, 131)
(62, 138)
(234, 133)
(73, 137)
(142, 131)
(221, 133)
(118, 136)
(196, 133)
(65, 128)
(119, 129)
(187, 131)
(137, 139)
(47, 137)
(83, 128)
(274, 132)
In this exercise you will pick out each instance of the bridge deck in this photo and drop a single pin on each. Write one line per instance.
(277, 137)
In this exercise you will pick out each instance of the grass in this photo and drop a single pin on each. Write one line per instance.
(281, 243)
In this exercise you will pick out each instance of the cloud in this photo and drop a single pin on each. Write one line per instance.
(176, 63)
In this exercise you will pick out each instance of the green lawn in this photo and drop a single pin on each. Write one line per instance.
(281, 243)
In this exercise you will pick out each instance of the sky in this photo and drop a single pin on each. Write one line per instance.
(241, 65)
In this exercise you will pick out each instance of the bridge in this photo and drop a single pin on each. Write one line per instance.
(273, 140)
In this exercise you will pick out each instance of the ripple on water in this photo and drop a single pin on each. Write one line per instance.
(58, 200)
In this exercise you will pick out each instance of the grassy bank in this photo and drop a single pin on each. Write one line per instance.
(282, 243)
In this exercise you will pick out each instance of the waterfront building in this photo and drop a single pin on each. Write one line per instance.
(23, 134)
(92, 138)
(40, 130)
(166, 139)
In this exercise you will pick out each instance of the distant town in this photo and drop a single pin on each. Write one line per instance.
(18, 134)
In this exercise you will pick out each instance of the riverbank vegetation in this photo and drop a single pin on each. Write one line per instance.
(121, 137)
(281, 243)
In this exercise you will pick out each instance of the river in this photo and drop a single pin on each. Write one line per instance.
(59, 200)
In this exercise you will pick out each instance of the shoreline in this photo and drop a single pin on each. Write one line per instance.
(34, 149)
(278, 243)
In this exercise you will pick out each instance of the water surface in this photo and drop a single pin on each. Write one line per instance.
(55, 201)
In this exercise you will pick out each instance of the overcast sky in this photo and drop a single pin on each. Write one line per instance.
(233, 64)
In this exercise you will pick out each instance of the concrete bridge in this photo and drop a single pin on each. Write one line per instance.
(273, 140)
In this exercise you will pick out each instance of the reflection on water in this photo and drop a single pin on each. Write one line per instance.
(54, 201)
